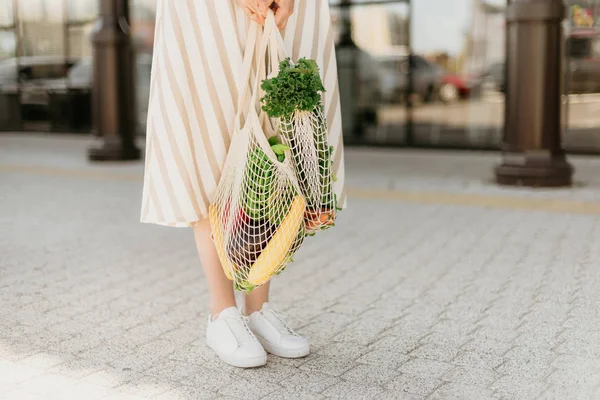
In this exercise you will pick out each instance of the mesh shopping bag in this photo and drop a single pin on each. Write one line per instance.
(293, 99)
(257, 216)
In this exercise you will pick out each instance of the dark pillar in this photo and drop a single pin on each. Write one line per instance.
(410, 78)
(347, 52)
(533, 153)
(114, 115)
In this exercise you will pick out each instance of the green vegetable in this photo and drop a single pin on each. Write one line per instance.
(242, 285)
(259, 181)
(296, 87)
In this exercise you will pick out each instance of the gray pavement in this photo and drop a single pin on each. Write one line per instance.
(436, 284)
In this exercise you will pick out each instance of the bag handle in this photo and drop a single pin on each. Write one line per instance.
(249, 51)
(272, 46)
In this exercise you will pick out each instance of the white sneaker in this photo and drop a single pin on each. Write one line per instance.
(230, 337)
(275, 335)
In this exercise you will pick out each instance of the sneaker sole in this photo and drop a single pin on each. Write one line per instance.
(243, 363)
(247, 363)
(283, 353)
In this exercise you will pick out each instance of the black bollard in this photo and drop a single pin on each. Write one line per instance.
(114, 116)
(532, 153)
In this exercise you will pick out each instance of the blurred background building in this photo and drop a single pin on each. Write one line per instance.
(424, 73)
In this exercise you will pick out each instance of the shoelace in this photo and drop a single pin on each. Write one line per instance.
(244, 321)
(281, 317)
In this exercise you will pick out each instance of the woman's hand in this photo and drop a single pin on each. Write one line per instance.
(256, 10)
(283, 10)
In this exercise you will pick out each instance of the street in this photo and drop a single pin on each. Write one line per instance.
(435, 284)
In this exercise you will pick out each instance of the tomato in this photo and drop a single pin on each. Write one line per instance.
(239, 218)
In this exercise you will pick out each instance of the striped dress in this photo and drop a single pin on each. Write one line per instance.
(197, 60)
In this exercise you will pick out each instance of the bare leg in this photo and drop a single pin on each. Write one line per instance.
(256, 299)
(220, 288)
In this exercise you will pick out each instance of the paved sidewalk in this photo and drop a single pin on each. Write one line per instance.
(436, 284)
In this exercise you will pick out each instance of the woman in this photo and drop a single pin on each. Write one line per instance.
(195, 85)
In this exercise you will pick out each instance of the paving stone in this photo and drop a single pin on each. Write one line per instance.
(147, 386)
(457, 391)
(344, 350)
(353, 390)
(77, 368)
(294, 394)
(370, 374)
(579, 334)
(424, 367)
(384, 358)
(555, 392)
(314, 382)
(410, 332)
(435, 352)
(472, 376)
(326, 326)
(473, 359)
(414, 384)
(580, 347)
(577, 378)
(334, 366)
(400, 344)
(274, 373)
(173, 370)
(248, 389)
(109, 353)
(517, 387)
(491, 333)
(364, 331)
(449, 338)
(571, 362)
(533, 363)
(188, 393)
(488, 347)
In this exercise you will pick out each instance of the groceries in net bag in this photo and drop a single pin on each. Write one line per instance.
(293, 98)
(277, 182)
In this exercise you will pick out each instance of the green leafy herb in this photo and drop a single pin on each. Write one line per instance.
(244, 286)
(280, 149)
(296, 87)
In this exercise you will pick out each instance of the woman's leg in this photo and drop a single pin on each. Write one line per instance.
(256, 299)
(220, 288)
(227, 333)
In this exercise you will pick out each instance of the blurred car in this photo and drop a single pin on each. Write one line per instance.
(491, 80)
(358, 73)
(428, 78)
(34, 68)
(35, 79)
(455, 87)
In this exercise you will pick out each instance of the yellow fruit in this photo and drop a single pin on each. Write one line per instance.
(275, 252)
(217, 231)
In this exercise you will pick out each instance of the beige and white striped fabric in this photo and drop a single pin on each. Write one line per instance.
(198, 52)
